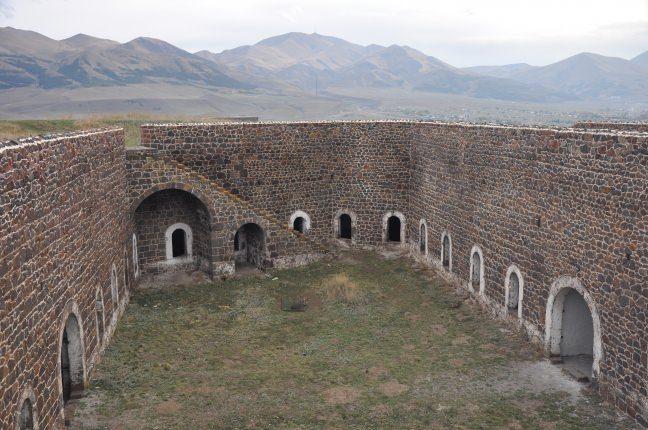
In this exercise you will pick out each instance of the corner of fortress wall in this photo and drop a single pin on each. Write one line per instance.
(554, 203)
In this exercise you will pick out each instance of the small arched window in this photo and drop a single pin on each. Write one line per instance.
(446, 251)
(179, 242)
(475, 277)
(26, 417)
(99, 311)
(300, 221)
(514, 292)
(135, 257)
(298, 224)
(114, 286)
(423, 239)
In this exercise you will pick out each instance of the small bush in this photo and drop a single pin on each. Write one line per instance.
(340, 288)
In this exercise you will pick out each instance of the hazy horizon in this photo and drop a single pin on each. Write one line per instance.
(465, 33)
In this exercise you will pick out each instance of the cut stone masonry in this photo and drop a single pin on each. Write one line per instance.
(83, 219)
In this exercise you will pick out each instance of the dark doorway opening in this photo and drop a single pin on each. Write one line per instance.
(345, 226)
(26, 418)
(65, 368)
(179, 243)
(71, 361)
(394, 229)
(298, 224)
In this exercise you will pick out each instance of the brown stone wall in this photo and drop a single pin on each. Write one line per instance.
(315, 167)
(553, 203)
(61, 230)
(151, 176)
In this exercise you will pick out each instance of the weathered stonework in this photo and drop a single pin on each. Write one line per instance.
(563, 209)
(62, 227)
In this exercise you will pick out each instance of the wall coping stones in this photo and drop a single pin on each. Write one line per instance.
(7, 145)
(531, 128)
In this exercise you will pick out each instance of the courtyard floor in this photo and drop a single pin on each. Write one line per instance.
(381, 344)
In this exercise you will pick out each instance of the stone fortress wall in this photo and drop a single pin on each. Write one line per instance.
(563, 209)
(62, 231)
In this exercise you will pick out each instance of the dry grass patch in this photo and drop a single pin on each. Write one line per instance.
(340, 288)
(392, 388)
(168, 407)
(341, 395)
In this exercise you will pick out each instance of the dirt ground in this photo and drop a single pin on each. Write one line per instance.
(381, 344)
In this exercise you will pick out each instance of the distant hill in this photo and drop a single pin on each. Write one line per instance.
(83, 41)
(306, 61)
(591, 76)
(506, 71)
(641, 59)
(30, 59)
(315, 69)
(584, 76)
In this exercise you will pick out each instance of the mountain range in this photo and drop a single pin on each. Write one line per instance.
(296, 63)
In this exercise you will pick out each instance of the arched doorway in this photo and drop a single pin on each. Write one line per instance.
(446, 251)
(114, 287)
(99, 314)
(423, 238)
(249, 246)
(573, 333)
(298, 224)
(393, 229)
(26, 417)
(71, 360)
(477, 279)
(135, 257)
(345, 226)
(514, 291)
(179, 243)
(172, 228)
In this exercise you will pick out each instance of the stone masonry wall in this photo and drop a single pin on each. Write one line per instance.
(61, 230)
(150, 176)
(553, 203)
(315, 167)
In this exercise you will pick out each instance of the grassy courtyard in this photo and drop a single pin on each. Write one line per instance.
(381, 344)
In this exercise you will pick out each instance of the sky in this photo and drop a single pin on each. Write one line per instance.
(460, 32)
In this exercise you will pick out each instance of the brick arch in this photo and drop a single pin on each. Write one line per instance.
(181, 186)
(71, 309)
(27, 393)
